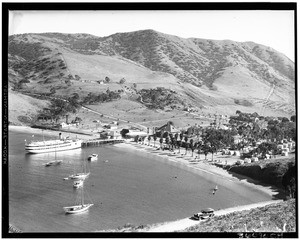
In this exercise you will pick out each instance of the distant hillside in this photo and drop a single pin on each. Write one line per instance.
(206, 74)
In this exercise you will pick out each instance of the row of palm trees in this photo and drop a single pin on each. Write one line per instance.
(177, 141)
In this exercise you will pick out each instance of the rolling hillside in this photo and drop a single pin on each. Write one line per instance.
(214, 76)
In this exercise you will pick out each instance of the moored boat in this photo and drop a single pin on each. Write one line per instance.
(78, 208)
(93, 157)
(82, 207)
(51, 163)
(79, 176)
(52, 145)
(78, 183)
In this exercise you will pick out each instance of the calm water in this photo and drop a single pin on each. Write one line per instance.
(125, 186)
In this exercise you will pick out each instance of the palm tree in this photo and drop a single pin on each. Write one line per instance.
(179, 145)
(199, 148)
(167, 140)
(186, 147)
(206, 148)
(161, 140)
(192, 146)
(176, 136)
(181, 136)
(173, 142)
(154, 139)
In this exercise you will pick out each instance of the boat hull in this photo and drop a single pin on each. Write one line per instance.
(77, 208)
(79, 176)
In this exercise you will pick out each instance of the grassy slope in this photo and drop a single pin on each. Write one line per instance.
(270, 218)
(22, 105)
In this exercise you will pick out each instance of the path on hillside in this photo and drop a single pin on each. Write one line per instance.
(185, 223)
(265, 101)
(112, 117)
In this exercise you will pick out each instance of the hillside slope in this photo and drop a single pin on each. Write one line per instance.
(215, 76)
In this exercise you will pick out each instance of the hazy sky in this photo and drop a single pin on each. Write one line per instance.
(271, 28)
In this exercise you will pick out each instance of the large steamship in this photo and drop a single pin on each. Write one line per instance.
(52, 145)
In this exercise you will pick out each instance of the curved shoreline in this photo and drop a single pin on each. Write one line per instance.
(201, 166)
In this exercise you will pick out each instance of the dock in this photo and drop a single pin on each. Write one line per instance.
(98, 142)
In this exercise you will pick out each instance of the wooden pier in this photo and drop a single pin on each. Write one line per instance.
(98, 142)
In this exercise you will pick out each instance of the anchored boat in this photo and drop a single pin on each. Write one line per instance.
(93, 157)
(52, 145)
(82, 207)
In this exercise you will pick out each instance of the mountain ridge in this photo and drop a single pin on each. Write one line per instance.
(219, 69)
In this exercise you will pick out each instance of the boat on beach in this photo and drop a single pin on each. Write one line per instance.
(52, 145)
(93, 157)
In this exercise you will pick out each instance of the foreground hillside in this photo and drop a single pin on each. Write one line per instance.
(271, 218)
(210, 76)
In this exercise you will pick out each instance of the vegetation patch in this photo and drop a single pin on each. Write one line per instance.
(243, 102)
(270, 172)
(159, 98)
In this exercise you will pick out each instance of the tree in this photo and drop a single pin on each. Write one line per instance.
(199, 146)
(77, 77)
(123, 132)
(285, 119)
(192, 146)
(78, 119)
(149, 139)
(107, 79)
(293, 118)
(165, 135)
(212, 149)
(123, 80)
(179, 143)
(161, 142)
(167, 140)
(154, 139)
(206, 149)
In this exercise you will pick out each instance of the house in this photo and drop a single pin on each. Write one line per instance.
(168, 128)
(237, 139)
(133, 134)
(114, 134)
(66, 125)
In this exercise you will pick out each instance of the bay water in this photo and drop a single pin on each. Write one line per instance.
(126, 186)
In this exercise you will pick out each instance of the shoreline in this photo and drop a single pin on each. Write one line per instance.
(201, 166)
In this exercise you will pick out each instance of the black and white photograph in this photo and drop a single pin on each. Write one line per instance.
(149, 120)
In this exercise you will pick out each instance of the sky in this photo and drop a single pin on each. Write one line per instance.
(270, 28)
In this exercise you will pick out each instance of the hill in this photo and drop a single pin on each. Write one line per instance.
(211, 76)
